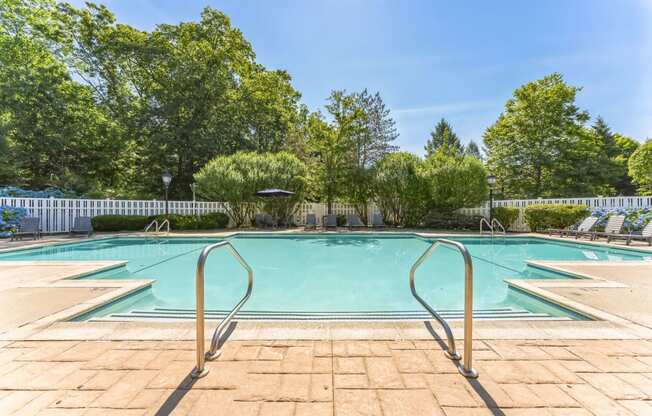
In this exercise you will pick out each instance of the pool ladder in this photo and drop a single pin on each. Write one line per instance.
(157, 227)
(466, 369)
(494, 226)
(200, 370)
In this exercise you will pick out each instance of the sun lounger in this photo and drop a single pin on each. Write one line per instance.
(82, 225)
(614, 226)
(645, 235)
(260, 221)
(28, 226)
(311, 222)
(330, 221)
(585, 228)
(354, 221)
(377, 221)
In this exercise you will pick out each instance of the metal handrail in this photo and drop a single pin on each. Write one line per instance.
(494, 223)
(483, 220)
(154, 222)
(467, 369)
(213, 352)
(165, 222)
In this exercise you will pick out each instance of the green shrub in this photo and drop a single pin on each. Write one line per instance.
(543, 216)
(506, 215)
(120, 222)
(442, 221)
(211, 221)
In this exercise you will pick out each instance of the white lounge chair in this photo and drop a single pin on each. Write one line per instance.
(614, 226)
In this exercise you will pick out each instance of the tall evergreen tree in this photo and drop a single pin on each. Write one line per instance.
(473, 150)
(602, 130)
(443, 137)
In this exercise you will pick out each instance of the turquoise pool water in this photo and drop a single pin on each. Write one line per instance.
(326, 273)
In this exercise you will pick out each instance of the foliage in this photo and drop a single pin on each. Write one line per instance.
(235, 180)
(10, 217)
(506, 215)
(540, 217)
(15, 192)
(443, 137)
(472, 149)
(635, 218)
(640, 168)
(454, 182)
(401, 190)
(210, 221)
(625, 148)
(120, 222)
(440, 221)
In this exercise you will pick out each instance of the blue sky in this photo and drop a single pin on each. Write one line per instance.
(432, 59)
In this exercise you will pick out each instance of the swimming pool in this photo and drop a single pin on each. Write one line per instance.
(327, 275)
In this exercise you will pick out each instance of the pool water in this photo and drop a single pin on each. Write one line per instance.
(327, 272)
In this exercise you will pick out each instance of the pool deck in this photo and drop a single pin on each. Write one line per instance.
(527, 367)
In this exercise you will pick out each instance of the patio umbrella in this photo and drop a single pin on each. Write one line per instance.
(274, 193)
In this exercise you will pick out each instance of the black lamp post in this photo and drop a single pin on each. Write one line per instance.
(167, 178)
(491, 181)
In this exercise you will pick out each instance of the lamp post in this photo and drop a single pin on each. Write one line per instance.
(193, 188)
(491, 181)
(167, 178)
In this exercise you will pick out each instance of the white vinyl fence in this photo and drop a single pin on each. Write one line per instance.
(58, 215)
(633, 202)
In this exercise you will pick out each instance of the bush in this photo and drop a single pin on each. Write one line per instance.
(120, 222)
(506, 215)
(543, 216)
(235, 180)
(211, 221)
(442, 221)
(401, 191)
(455, 182)
(10, 218)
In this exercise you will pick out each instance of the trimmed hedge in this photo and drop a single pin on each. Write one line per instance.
(441, 221)
(540, 217)
(120, 222)
(210, 221)
(506, 215)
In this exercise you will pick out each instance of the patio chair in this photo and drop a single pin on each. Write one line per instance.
(260, 221)
(330, 221)
(614, 226)
(377, 221)
(584, 228)
(354, 221)
(28, 226)
(645, 235)
(82, 225)
(269, 221)
(311, 222)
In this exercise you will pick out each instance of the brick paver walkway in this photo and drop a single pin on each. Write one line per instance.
(325, 378)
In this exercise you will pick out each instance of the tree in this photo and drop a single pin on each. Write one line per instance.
(534, 146)
(602, 130)
(400, 189)
(455, 182)
(443, 136)
(626, 146)
(234, 180)
(473, 150)
(640, 168)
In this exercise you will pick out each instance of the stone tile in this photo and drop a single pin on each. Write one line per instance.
(552, 395)
(440, 363)
(570, 411)
(277, 409)
(637, 407)
(162, 359)
(259, 387)
(114, 412)
(178, 402)
(451, 390)
(579, 366)
(62, 412)
(613, 386)
(408, 403)
(357, 403)
(76, 399)
(222, 375)
(147, 398)
(110, 360)
(488, 393)
(322, 349)
(22, 376)
(412, 361)
(294, 388)
(322, 365)
(351, 381)
(84, 351)
(314, 409)
(174, 375)
(638, 380)
(297, 360)
(401, 345)
(125, 390)
(559, 353)
(523, 396)
(271, 353)
(247, 353)
(348, 365)
(382, 373)
(39, 404)
(563, 374)
(102, 380)
(467, 411)
(53, 376)
(16, 400)
(321, 388)
(379, 349)
(594, 401)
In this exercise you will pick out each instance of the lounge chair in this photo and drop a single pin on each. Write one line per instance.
(585, 228)
(330, 221)
(269, 221)
(377, 221)
(354, 221)
(260, 221)
(28, 226)
(311, 222)
(82, 225)
(645, 235)
(614, 226)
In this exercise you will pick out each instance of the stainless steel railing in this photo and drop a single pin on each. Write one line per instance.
(496, 224)
(484, 221)
(166, 223)
(213, 352)
(154, 224)
(466, 369)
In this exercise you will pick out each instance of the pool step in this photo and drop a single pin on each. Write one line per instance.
(170, 314)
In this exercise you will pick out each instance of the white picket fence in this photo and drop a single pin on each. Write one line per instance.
(633, 202)
(57, 215)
